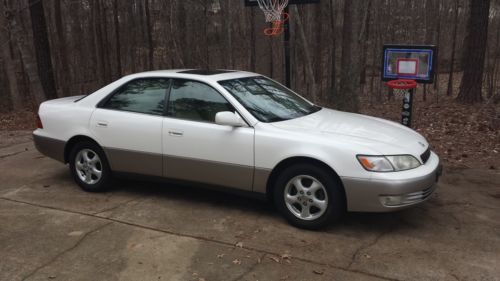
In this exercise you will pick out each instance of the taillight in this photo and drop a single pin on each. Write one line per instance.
(39, 124)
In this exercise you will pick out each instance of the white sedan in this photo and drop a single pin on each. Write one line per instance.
(242, 131)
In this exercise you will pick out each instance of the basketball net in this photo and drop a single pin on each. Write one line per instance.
(401, 87)
(273, 10)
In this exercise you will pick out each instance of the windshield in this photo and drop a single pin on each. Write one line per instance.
(267, 100)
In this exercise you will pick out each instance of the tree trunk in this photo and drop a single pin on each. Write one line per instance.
(105, 42)
(116, 21)
(149, 33)
(308, 63)
(29, 61)
(477, 37)
(10, 68)
(347, 98)
(429, 31)
(493, 69)
(364, 42)
(42, 48)
(333, 82)
(449, 91)
(438, 41)
(64, 74)
(98, 55)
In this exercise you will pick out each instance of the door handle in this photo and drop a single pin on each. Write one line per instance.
(102, 124)
(174, 133)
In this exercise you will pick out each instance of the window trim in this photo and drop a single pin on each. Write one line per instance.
(213, 88)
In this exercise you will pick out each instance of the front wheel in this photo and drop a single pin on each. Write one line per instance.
(89, 167)
(309, 196)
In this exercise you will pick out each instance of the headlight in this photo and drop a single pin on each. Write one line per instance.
(388, 163)
(403, 162)
(375, 163)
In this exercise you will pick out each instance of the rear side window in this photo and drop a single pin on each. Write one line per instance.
(195, 101)
(141, 95)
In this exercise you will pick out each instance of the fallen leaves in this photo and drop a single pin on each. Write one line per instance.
(276, 259)
(279, 259)
(20, 120)
(286, 256)
(462, 135)
(319, 272)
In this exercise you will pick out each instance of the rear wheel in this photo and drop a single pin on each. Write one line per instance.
(89, 167)
(309, 196)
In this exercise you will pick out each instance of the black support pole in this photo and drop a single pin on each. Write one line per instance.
(286, 45)
(407, 109)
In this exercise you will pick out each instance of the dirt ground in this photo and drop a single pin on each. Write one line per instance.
(51, 230)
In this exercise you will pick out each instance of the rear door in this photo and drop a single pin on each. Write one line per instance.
(128, 125)
(197, 149)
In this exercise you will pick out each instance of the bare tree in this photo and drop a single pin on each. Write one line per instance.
(347, 97)
(62, 54)
(116, 22)
(449, 91)
(149, 34)
(476, 42)
(20, 35)
(10, 68)
(308, 60)
(42, 48)
(333, 82)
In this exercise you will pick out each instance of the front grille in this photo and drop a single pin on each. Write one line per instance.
(425, 156)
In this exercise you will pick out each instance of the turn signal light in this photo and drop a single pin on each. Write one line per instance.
(39, 124)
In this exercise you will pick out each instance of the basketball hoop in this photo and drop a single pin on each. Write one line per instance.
(273, 10)
(402, 86)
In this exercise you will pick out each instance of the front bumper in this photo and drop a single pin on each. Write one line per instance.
(386, 192)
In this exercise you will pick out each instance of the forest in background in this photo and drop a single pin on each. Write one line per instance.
(57, 48)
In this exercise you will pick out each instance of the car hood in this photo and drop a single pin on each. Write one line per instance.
(382, 135)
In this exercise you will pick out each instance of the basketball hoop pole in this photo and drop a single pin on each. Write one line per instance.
(406, 89)
(407, 110)
(286, 46)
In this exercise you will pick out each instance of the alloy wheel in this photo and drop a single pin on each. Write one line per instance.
(306, 197)
(88, 166)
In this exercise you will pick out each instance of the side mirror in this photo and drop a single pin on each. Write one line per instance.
(229, 118)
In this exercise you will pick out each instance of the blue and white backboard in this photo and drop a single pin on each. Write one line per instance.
(409, 62)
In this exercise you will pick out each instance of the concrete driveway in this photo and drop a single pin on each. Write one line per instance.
(51, 230)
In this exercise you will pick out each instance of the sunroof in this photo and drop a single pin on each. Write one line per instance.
(205, 71)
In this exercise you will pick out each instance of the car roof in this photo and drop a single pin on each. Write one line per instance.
(213, 75)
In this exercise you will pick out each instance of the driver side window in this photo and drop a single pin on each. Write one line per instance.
(195, 101)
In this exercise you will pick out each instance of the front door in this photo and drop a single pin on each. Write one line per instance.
(197, 149)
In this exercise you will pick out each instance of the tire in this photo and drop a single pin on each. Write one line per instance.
(91, 174)
(322, 198)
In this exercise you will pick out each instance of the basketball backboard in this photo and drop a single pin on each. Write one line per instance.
(291, 2)
(409, 62)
